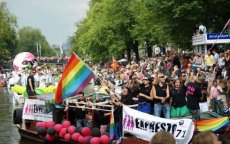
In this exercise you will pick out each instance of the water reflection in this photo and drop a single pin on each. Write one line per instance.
(8, 131)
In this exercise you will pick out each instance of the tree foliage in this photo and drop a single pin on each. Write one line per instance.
(7, 33)
(27, 39)
(118, 27)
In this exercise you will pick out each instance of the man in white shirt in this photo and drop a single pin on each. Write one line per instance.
(202, 29)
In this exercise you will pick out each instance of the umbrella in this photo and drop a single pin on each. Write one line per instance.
(122, 60)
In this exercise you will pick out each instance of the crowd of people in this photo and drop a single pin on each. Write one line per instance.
(172, 85)
(33, 77)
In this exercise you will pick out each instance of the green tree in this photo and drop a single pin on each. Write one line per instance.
(118, 27)
(7, 33)
(28, 38)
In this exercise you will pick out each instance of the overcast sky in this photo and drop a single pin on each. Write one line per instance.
(55, 18)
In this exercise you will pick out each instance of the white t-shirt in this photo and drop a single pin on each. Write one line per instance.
(202, 29)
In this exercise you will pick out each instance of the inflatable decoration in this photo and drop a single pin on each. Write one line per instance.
(104, 139)
(18, 89)
(75, 137)
(58, 127)
(46, 90)
(86, 131)
(95, 140)
(71, 130)
(67, 137)
(24, 59)
(66, 124)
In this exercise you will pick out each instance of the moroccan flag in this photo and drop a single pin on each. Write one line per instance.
(111, 126)
(75, 77)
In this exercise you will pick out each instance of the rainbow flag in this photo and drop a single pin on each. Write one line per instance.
(111, 126)
(212, 124)
(74, 79)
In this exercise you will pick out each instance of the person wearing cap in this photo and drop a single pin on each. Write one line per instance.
(194, 93)
(160, 91)
(144, 96)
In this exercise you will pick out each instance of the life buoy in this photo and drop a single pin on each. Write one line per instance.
(17, 116)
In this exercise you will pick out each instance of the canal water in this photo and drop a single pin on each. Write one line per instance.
(8, 131)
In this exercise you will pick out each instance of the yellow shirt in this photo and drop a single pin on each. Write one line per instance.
(209, 60)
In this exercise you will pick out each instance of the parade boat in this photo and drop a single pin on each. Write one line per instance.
(220, 125)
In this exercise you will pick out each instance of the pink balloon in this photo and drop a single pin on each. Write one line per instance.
(104, 139)
(50, 124)
(71, 130)
(95, 140)
(66, 124)
(38, 124)
(75, 137)
(58, 128)
(44, 125)
(81, 140)
(50, 137)
(63, 132)
(86, 131)
(67, 137)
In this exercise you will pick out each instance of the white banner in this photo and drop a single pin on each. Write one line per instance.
(144, 126)
(35, 109)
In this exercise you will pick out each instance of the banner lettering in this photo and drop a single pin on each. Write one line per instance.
(35, 109)
(144, 126)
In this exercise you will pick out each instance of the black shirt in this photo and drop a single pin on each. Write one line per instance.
(204, 92)
(161, 92)
(32, 81)
(146, 91)
(78, 112)
(193, 96)
(127, 100)
(178, 96)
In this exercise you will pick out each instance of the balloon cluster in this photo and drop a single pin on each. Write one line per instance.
(46, 90)
(18, 89)
(49, 131)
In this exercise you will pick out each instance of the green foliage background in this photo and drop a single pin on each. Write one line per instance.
(114, 26)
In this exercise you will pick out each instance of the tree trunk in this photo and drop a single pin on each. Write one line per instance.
(135, 49)
(128, 48)
(149, 49)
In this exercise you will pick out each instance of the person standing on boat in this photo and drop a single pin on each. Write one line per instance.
(30, 84)
(80, 113)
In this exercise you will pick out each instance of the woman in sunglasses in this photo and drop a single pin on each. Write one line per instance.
(161, 95)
